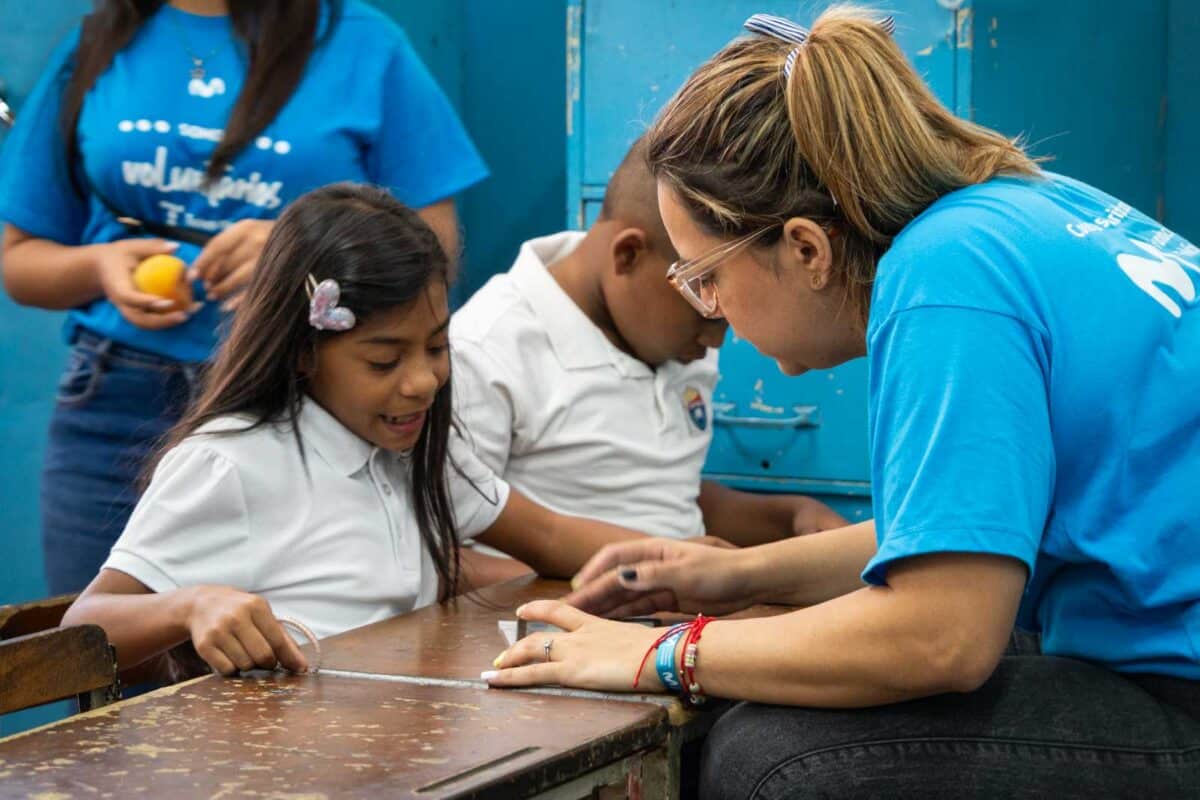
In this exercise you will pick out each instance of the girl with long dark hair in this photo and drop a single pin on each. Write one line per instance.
(187, 127)
(315, 477)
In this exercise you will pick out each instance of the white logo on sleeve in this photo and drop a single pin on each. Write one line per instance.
(1161, 269)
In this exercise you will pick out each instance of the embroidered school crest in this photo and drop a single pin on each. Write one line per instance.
(697, 410)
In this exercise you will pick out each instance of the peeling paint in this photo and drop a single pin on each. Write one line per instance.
(962, 33)
(149, 750)
(759, 405)
(107, 711)
(574, 54)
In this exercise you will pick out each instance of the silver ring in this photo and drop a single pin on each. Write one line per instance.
(546, 645)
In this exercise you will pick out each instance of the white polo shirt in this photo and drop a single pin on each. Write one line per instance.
(335, 548)
(569, 420)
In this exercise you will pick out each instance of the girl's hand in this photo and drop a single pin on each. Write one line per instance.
(227, 262)
(647, 575)
(594, 653)
(234, 630)
(115, 263)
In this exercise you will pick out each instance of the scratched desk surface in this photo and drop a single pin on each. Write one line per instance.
(314, 736)
(450, 641)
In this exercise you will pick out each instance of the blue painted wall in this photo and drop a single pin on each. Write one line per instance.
(502, 65)
(1182, 179)
(1079, 87)
(1111, 91)
(31, 354)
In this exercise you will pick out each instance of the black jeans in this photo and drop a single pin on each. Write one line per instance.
(1042, 726)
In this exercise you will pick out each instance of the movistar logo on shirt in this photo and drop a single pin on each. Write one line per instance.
(212, 87)
(1154, 268)
(1161, 269)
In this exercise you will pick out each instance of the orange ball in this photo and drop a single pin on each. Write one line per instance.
(163, 276)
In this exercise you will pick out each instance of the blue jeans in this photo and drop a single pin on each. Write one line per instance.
(114, 406)
(1042, 726)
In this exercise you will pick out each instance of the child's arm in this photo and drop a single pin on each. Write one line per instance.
(554, 545)
(231, 630)
(747, 519)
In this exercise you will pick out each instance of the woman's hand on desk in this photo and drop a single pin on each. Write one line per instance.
(593, 653)
(648, 575)
(234, 630)
(227, 262)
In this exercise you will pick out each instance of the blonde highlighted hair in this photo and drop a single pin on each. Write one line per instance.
(853, 138)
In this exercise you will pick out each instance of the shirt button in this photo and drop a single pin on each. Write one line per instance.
(387, 489)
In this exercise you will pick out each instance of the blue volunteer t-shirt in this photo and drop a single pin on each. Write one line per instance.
(1034, 352)
(366, 110)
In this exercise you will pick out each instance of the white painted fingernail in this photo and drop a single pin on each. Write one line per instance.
(487, 675)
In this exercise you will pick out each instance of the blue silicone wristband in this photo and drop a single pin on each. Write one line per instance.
(664, 661)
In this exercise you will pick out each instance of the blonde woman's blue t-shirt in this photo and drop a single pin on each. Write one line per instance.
(1034, 358)
(366, 110)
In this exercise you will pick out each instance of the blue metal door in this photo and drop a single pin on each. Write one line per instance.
(31, 350)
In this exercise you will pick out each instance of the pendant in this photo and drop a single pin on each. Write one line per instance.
(197, 69)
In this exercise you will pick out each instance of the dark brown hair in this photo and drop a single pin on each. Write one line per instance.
(383, 256)
(279, 35)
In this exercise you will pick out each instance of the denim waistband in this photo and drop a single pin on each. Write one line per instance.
(104, 346)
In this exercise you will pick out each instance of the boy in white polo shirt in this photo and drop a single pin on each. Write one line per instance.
(585, 380)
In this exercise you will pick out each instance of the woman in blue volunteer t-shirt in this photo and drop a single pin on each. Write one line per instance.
(1034, 414)
(202, 118)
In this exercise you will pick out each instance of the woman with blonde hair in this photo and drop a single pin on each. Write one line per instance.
(1034, 362)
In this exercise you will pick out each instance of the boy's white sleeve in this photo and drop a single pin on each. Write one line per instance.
(190, 527)
(476, 493)
(484, 405)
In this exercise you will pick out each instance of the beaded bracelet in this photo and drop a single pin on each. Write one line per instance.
(693, 694)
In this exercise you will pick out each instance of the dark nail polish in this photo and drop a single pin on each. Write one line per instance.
(629, 574)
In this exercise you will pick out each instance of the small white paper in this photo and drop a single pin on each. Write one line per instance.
(509, 628)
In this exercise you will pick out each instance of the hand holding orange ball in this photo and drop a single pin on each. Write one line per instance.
(159, 296)
(164, 276)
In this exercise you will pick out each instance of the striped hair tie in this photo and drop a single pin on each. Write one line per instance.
(785, 30)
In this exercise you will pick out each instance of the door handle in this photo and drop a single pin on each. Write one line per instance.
(803, 417)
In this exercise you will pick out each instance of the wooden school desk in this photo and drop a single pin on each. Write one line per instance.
(302, 736)
(449, 645)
